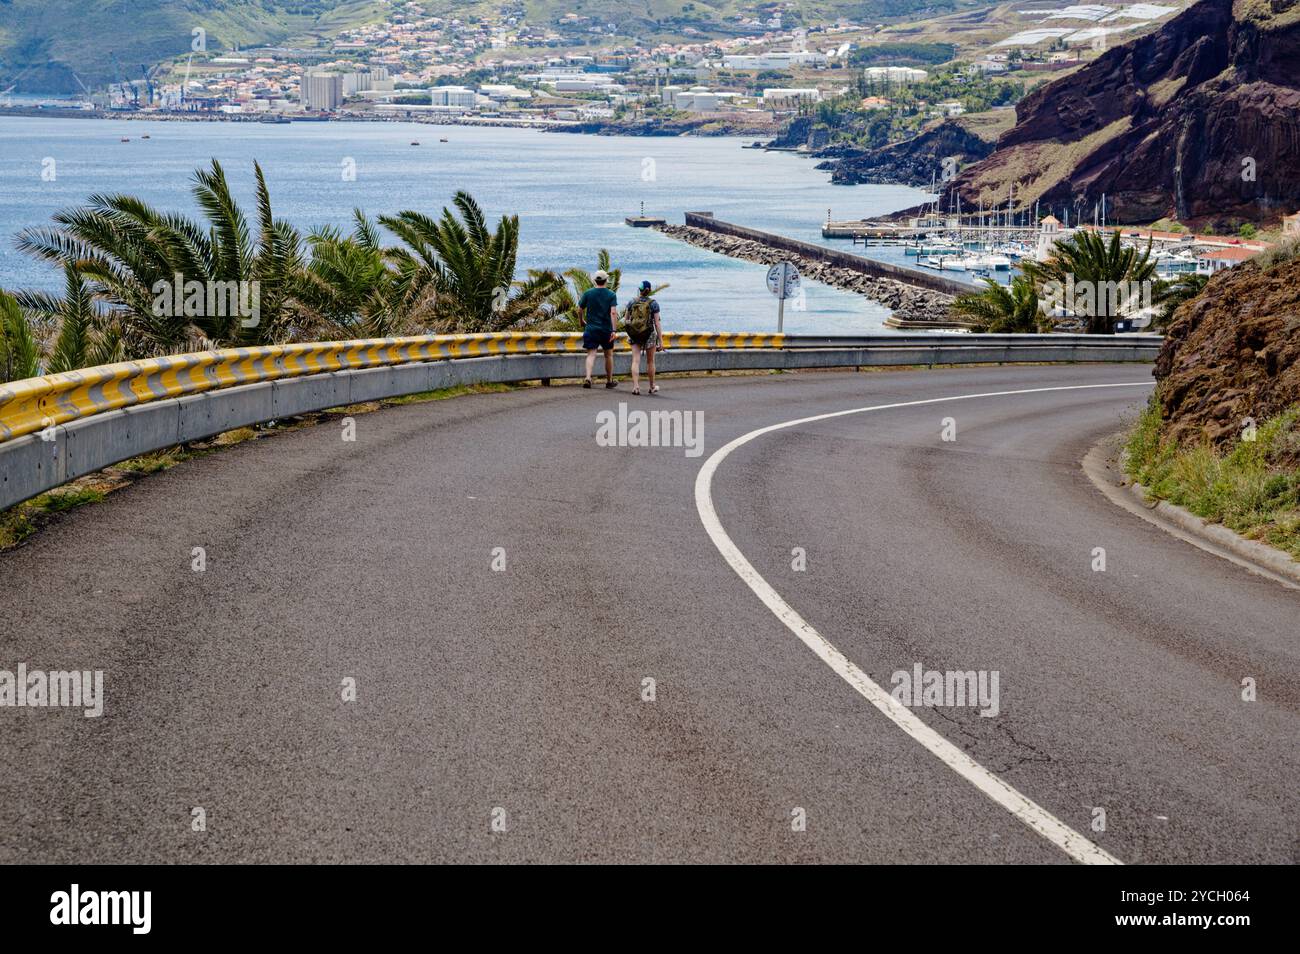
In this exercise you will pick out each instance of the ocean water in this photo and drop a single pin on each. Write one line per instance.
(571, 193)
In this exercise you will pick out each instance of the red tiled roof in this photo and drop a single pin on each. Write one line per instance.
(1232, 254)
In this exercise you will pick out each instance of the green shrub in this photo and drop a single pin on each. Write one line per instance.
(1248, 488)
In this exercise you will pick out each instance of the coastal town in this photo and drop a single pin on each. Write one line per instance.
(504, 67)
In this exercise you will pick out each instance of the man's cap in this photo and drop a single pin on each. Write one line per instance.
(601, 276)
(646, 286)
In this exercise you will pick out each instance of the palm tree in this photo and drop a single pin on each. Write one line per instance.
(84, 336)
(465, 270)
(130, 252)
(563, 303)
(1002, 309)
(1108, 268)
(349, 289)
(20, 355)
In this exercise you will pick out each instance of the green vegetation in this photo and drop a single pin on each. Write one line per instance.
(465, 273)
(44, 42)
(1000, 309)
(19, 352)
(20, 522)
(1086, 260)
(903, 54)
(1094, 279)
(1277, 254)
(121, 256)
(910, 106)
(1246, 488)
(128, 251)
(563, 301)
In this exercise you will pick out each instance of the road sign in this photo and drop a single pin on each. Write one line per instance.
(783, 282)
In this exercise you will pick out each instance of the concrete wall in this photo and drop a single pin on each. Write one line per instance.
(35, 463)
(910, 276)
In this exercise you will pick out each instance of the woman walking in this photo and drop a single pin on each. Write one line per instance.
(641, 322)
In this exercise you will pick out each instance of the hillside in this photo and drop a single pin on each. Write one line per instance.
(42, 42)
(1221, 437)
(914, 161)
(1232, 353)
(1163, 125)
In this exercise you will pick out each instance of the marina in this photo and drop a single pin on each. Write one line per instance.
(974, 246)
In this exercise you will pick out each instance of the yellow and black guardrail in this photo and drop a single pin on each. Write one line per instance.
(56, 428)
(31, 405)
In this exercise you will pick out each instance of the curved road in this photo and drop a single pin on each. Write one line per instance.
(517, 694)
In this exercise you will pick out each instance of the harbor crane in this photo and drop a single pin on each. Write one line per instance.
(128, 89)
(148, 82)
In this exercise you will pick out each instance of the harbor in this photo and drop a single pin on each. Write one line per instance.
(993, 244)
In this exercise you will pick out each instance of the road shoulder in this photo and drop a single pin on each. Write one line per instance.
(1102, 466)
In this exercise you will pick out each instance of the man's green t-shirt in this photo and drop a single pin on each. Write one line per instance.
(598, 303)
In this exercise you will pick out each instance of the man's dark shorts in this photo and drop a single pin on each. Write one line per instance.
(593, 340)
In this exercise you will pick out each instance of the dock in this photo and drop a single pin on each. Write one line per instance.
(644, 221)
(857, 230)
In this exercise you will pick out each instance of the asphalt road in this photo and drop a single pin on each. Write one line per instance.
(515, 695)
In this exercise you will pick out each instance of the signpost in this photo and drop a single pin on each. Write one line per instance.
(783, 282)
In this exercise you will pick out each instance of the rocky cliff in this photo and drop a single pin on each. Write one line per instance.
(1232, 353)
(1199, 121)
(914, 161)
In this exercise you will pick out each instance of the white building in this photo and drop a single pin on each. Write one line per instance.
(453, 96)
(789, 97)
(1215, 260)
(587, 83)
(774, 61)
(322, 91)
(500, 92)
(372, 78)
(895, 74)
(1049, 233)
(698, 99)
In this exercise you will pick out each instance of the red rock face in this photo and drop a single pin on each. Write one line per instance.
(1231, 353)
(1214, 104)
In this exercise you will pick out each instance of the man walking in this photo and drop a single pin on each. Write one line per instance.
(599, 305)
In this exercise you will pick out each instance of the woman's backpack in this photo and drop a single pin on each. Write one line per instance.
(639, 322)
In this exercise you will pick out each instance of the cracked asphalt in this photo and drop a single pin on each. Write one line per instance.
(516, 695)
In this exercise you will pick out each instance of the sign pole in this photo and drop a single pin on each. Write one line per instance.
(780, 279)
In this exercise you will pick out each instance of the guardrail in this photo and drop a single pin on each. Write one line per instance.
(56, 428)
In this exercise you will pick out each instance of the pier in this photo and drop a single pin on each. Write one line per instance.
(915, 277)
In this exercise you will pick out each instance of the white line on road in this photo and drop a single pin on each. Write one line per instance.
(1031, 813)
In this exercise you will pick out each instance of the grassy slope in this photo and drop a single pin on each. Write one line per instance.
(1243, 489)
(43, 41)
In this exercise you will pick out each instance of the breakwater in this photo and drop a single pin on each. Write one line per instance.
(911, 296)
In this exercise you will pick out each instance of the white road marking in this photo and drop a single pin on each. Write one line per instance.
(1031, 813)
